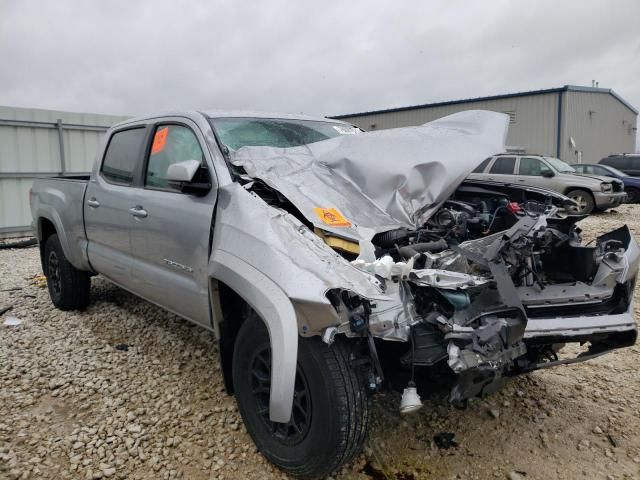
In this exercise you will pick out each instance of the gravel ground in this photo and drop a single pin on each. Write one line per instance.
(126, 390)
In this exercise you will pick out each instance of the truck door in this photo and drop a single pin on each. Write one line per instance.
(170, 235)
(107, 202)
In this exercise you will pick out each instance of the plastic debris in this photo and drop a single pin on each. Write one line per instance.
(384, 267)
(12, 321)
(123, 347)
(410, 401)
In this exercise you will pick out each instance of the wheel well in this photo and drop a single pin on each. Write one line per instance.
(45, 230)
(569, 189)
(234, 311)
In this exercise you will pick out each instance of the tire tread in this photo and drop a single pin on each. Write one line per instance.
(349, 403)
(76, 284)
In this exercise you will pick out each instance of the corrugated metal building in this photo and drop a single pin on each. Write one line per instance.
(542, 121)
(40, 143)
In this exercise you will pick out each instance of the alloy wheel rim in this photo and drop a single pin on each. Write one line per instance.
(53, 269)
(581, 201)
(297, 427)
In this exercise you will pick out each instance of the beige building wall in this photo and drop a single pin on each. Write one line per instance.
(599, 122)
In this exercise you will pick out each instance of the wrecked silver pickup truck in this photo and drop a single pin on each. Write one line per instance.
(329, 262)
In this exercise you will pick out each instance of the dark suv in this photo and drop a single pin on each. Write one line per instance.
(629, 163)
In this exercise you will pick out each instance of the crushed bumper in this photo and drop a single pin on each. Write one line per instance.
(609, 200)
(603, 334)
(579, 329)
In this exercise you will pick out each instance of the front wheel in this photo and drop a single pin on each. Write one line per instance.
(584, 202)
(633, 195)
(330, 407)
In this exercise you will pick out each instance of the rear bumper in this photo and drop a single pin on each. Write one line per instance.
(608, 200)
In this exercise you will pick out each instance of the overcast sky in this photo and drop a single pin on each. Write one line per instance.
(321, 57)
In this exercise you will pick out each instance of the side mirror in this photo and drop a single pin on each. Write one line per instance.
(182, 171)
(190, 177)
(547, 173)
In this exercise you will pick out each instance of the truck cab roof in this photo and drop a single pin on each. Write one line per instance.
(213, 113)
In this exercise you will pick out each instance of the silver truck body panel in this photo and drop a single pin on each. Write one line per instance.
(170, 243)
(108, 225)
(278, 245)
(57, 200)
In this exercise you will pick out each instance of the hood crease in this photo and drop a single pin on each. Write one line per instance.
(381, 180)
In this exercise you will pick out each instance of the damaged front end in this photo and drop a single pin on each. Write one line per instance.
(500, 305)
(459, 282)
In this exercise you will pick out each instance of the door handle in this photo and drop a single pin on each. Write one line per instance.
(93, 203)
(138, 211)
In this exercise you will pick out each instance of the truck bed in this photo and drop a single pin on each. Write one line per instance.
(72, 178)
(58, 202)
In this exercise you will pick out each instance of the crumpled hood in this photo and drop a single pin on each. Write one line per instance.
(378, 181)
(600, 178)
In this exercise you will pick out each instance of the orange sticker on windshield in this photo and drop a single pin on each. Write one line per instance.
(159, 140)
(332, 217)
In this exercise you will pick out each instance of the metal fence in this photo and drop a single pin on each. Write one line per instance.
(38, 143)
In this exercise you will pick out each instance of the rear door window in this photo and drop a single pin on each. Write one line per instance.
(503, 165)
(122, 156)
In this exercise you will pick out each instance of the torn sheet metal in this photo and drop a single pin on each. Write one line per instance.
(379, 180)
(296, 259)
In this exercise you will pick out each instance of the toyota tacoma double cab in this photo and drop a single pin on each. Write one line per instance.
(331, 263)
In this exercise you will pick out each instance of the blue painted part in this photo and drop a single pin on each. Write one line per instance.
(628, 181)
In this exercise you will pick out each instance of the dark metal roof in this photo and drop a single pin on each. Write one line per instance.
(566, 88)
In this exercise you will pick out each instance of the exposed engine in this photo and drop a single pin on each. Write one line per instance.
(471, 277)
(455, 222)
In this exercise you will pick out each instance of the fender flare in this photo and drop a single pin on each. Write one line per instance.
(277, 311)
(48, 213)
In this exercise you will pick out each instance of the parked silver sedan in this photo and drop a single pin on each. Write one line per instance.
(590, 192)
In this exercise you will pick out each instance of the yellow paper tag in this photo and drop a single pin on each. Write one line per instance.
(332, 217)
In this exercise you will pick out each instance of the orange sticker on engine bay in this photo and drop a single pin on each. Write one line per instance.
(332, 217)
(159, 140)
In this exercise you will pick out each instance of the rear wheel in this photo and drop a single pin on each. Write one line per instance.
(330, 406)
(633, 194)
(584, 202)
(69, 288)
